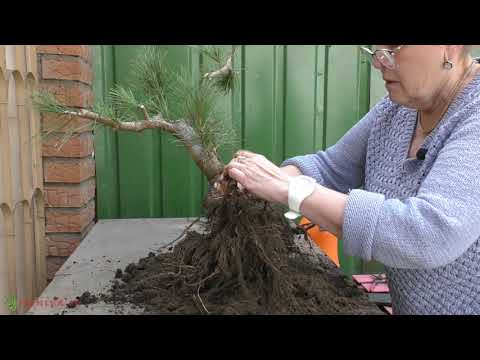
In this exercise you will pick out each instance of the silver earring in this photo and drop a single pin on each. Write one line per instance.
(448, 65)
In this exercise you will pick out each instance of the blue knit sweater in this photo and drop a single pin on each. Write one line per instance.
(420, 218)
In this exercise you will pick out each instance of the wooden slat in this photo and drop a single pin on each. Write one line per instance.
(20, 60)
(11, 251)
(31, 60)
(10, 56)
(3, 65)
(4, 281)
(23, 122)
(7, 190)
(19, 233)
(5, 195)
(35, 138)
(29, 252)
(38, 197)
(20, 155)
(40, 247)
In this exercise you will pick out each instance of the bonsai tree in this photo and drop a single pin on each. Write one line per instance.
(247, 259)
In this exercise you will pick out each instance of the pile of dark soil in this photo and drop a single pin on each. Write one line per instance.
(249, 260)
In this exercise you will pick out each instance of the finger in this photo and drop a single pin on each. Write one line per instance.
(238, 176)
(237, 159)
(243, 159)
(245, 153)
(237, 165)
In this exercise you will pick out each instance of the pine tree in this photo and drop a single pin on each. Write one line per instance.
(160, 98)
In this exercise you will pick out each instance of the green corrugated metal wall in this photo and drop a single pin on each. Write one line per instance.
(292, 100)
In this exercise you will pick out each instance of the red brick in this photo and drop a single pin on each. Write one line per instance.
(65, 244)
(57, 123)
(53, 265)
(67, 68)
(69, 93)
(87, 54)
(78, 146)
(63, 195)
(69, 219)
(69, 171)
(82, 51)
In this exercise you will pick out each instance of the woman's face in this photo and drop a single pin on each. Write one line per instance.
(418, 77)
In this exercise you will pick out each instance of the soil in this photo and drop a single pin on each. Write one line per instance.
(87, 298)
(248, 260)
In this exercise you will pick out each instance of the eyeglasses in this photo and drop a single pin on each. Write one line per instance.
(383, 57)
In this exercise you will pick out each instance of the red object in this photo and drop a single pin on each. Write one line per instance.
(372, 283)
(388, 309)
(73, 303)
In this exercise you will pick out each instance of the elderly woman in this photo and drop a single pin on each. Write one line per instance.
(403, 185)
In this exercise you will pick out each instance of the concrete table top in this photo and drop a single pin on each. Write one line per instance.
(112, 244)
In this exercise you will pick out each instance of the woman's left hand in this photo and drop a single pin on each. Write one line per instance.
(259, 176)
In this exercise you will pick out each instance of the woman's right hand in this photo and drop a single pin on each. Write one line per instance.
(290, 170)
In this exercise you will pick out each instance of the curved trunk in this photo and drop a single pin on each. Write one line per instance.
(208, 162)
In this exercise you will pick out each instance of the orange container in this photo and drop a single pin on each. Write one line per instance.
(324, 239)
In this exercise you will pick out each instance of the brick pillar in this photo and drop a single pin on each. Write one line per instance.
(69, 171)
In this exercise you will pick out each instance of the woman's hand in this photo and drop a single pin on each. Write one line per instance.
(325, 207)
(259, 176)
(291, 170)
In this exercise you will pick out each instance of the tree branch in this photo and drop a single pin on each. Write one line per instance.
(208, 162)
(225, 70)
(156, 122)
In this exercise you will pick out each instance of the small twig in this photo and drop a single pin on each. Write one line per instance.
(156, 288)
(195, 301)
(306, 227)
(267, 260)
(183, 233)
(145, 113)
(200, 285)
(223, 71)
(187, 266)
(234, 50)
(201, 301)
(180, 266)
(203, 280)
